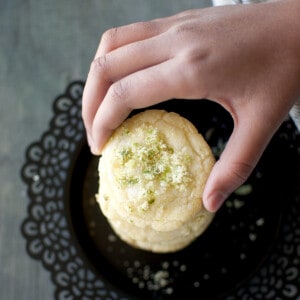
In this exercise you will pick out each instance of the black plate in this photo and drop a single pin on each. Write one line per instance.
(250, 251)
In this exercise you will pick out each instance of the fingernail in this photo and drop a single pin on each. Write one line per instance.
(215, 201)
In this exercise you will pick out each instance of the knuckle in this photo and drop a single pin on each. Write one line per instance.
(99, 65)
(241, 171)
(191, 59)
(183, 30)
(109, 37)
(143, 26)
(194, 71)
(119, 92)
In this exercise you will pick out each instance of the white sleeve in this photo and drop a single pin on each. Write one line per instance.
(295, 114)
(228, 2)
(224, 2)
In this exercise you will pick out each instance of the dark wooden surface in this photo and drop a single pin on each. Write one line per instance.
(43, 46)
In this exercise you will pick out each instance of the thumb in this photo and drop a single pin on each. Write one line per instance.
(242, 152)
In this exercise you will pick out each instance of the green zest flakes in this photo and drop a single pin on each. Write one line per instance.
(244, 190)
(150, 162)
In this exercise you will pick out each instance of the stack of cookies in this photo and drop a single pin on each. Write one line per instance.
(152, 174)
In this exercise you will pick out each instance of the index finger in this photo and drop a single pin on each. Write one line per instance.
(127, 34)
(98, 80)
(138, 90)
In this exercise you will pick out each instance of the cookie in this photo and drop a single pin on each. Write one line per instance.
(152, 174)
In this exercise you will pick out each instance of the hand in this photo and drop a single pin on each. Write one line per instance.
(244, 57)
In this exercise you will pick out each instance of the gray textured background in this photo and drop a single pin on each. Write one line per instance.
(43, 46)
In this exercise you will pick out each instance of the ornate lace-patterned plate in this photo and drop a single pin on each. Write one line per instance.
(251, 251)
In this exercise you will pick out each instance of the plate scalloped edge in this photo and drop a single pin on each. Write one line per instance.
(46, 228)
(49, 236)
